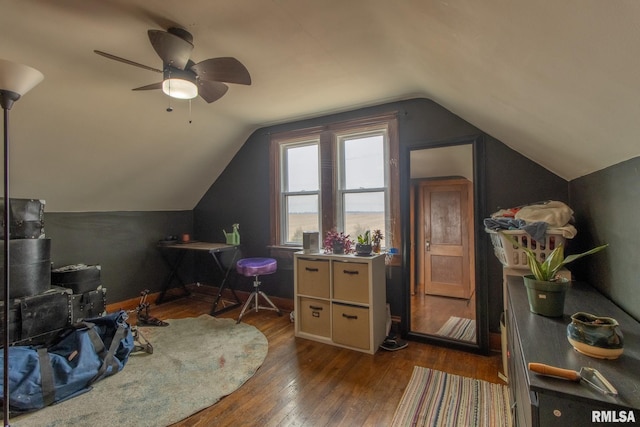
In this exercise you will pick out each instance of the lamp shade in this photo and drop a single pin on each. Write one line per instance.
(18, 78)
(179, 84)
(180, 88)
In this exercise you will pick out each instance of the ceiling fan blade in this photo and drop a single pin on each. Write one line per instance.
(211, 91)
(150, 87)
(126, 61)
(226, 69)
(172, 49)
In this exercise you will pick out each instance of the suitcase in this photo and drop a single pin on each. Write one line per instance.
(29, 267)
(42, 316)
(80, 278)
(36, 320)
(14, 322)
(88, 305)
(26, 218)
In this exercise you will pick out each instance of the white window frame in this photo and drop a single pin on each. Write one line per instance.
(285, 194)
(341, 191)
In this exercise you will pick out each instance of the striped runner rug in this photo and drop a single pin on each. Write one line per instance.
(435, 398)
(459, 328)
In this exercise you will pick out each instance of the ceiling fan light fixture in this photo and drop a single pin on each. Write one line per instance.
(179, 84)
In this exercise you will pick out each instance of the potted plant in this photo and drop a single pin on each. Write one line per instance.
(363, 247)
(376, 238)
(337, 243)
(545, 288)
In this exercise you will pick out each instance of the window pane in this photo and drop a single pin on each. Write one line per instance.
(362, 212)
(364, 162)
(302, 215)
(302, 168)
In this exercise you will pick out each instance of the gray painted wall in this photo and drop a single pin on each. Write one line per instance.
(513, 180)
(607, 204)
(123, 243)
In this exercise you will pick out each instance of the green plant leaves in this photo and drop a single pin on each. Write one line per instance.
(574, 257)
(366, 239)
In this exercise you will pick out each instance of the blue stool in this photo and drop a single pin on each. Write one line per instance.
(256, 267)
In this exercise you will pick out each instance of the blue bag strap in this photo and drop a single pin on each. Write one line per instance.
(109, 358)
(46, 377)
(98, 345)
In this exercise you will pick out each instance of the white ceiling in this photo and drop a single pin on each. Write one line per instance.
(555, 80)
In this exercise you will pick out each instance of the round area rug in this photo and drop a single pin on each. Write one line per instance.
(195, 362)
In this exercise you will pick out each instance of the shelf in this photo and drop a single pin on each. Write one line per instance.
(340, 300)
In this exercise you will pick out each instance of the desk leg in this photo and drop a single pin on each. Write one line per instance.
(237, 302)
(173, 275)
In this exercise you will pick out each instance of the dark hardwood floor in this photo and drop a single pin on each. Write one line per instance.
(305, 383)
(430, 312)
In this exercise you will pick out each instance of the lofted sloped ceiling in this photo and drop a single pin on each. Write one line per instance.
(555, 80)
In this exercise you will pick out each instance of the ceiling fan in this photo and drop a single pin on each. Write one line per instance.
(183, 78)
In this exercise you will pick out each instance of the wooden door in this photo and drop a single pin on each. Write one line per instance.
(446, 228)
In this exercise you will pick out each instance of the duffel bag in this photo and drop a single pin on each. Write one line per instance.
(84, 353)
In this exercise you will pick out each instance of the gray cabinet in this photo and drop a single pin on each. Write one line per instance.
(544, 401)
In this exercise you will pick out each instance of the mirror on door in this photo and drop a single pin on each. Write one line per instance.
(442, 264)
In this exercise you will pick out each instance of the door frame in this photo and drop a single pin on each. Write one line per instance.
(479, 245)
(420, 257)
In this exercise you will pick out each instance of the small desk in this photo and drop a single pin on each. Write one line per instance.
(215, 249)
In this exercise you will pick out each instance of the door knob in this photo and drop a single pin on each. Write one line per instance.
(428, 245)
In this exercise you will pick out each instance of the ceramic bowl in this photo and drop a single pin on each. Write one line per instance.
(595, 336)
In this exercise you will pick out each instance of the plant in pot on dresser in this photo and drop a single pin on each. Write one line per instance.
(545, 288)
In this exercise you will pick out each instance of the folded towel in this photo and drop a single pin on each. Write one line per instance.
(568, 231)
(554, 213)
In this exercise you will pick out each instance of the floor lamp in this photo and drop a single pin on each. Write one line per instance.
(15, 81)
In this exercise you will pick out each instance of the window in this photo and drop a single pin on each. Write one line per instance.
(362, 187)
(300, 192)
(341, 176)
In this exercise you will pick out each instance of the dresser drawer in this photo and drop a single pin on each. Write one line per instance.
(313, 278)
(351, 326)
(315, 316)
(351, 282)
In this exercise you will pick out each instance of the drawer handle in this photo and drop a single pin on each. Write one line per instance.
(349, 316)
(310, 269)
(350, 271)
(313, 307)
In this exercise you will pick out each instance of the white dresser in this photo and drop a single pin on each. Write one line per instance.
(341, 300)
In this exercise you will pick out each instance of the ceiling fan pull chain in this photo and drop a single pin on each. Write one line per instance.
(189, 111)
(169, 109)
